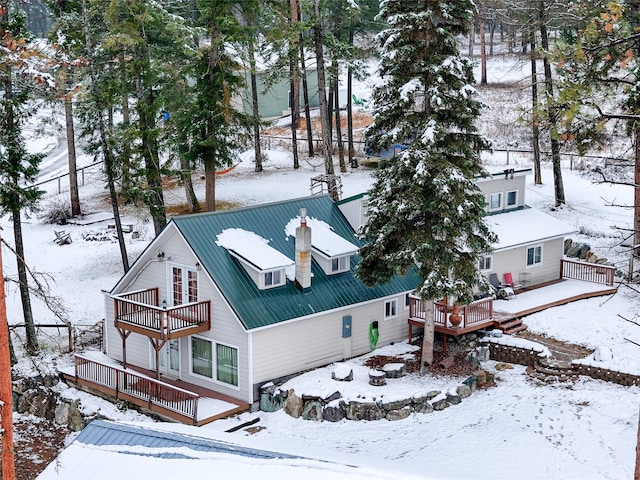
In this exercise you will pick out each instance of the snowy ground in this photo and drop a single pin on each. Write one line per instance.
(585, 430)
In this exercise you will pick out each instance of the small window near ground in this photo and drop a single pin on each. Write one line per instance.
(227, 364)
(484, 264)
(534, 255)
(390, 309)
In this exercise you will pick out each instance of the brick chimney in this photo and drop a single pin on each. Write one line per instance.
(303, 252)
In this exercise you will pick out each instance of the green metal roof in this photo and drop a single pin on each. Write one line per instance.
(260, 308)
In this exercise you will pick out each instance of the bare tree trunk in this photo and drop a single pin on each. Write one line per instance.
(32, 338)
(305, 95)
(190, 194)
(327, 146)
(353, 160)
(472, 35)
(341, 162)
(71, 152)
(535, 125)
(294, 88)
(548, 80)
(255, 109)
(7, 465)
(210, 185)
(636, 192)
(483, 49)
(427, 337)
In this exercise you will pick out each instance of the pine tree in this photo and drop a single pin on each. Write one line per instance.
(598, 62)
(425, 209)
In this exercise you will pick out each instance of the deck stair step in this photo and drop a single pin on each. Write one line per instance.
(512, 326)
(550, 370)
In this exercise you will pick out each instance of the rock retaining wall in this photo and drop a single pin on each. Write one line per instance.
(335, 408)
(37, 396)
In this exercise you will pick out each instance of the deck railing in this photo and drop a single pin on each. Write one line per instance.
(140, 309)
(590, 272)
(475, 313)
(139, 389)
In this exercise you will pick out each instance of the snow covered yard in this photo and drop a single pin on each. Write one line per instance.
(585, 430)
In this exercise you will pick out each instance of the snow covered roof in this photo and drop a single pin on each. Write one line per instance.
(526, 226)
(107, 449)
(323, 238)
(253, 248)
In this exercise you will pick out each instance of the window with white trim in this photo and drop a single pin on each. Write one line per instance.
(390, 309)
(227, 364)
(512, 198)
(534, 255)
(274, 278)
(495, 201)
(485, 263)
(202, 357)
(340, 264)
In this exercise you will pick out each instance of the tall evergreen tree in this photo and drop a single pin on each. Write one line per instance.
(599, 67)
(18, 167)
(425, 208)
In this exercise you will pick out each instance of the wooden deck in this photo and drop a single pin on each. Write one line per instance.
(170, 399)
(506, 315)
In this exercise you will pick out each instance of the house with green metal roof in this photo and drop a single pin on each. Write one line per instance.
(230, 300)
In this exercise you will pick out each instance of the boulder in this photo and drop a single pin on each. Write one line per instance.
(334, 412)
(440, 404)
(342, 373)
(424, 407)
(463, 391)
(293, 405)
(312, 411)
(364, 411)
(584, 250)
(393, 415)
(567, 245)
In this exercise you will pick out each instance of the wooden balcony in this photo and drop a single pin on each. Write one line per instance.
(589, 272)
(141, 312)
(475, 316)
(153, 396)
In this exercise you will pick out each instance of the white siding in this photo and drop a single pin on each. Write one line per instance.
(502, 185)
(515, 261)
(295, 346)
(225, 328)
(355, 211)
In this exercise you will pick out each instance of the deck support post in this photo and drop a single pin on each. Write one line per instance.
(124, 334)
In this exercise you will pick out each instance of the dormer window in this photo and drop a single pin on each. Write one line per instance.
(274, 278)
(340, 264)
(266, 266)
(495, 201)
(330, 251)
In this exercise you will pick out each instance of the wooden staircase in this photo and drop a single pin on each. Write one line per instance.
(510, 325)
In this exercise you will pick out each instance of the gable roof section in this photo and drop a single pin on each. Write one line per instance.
(261, 308)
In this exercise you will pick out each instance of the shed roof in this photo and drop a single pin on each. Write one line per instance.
(261, 308)
(524, 227)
